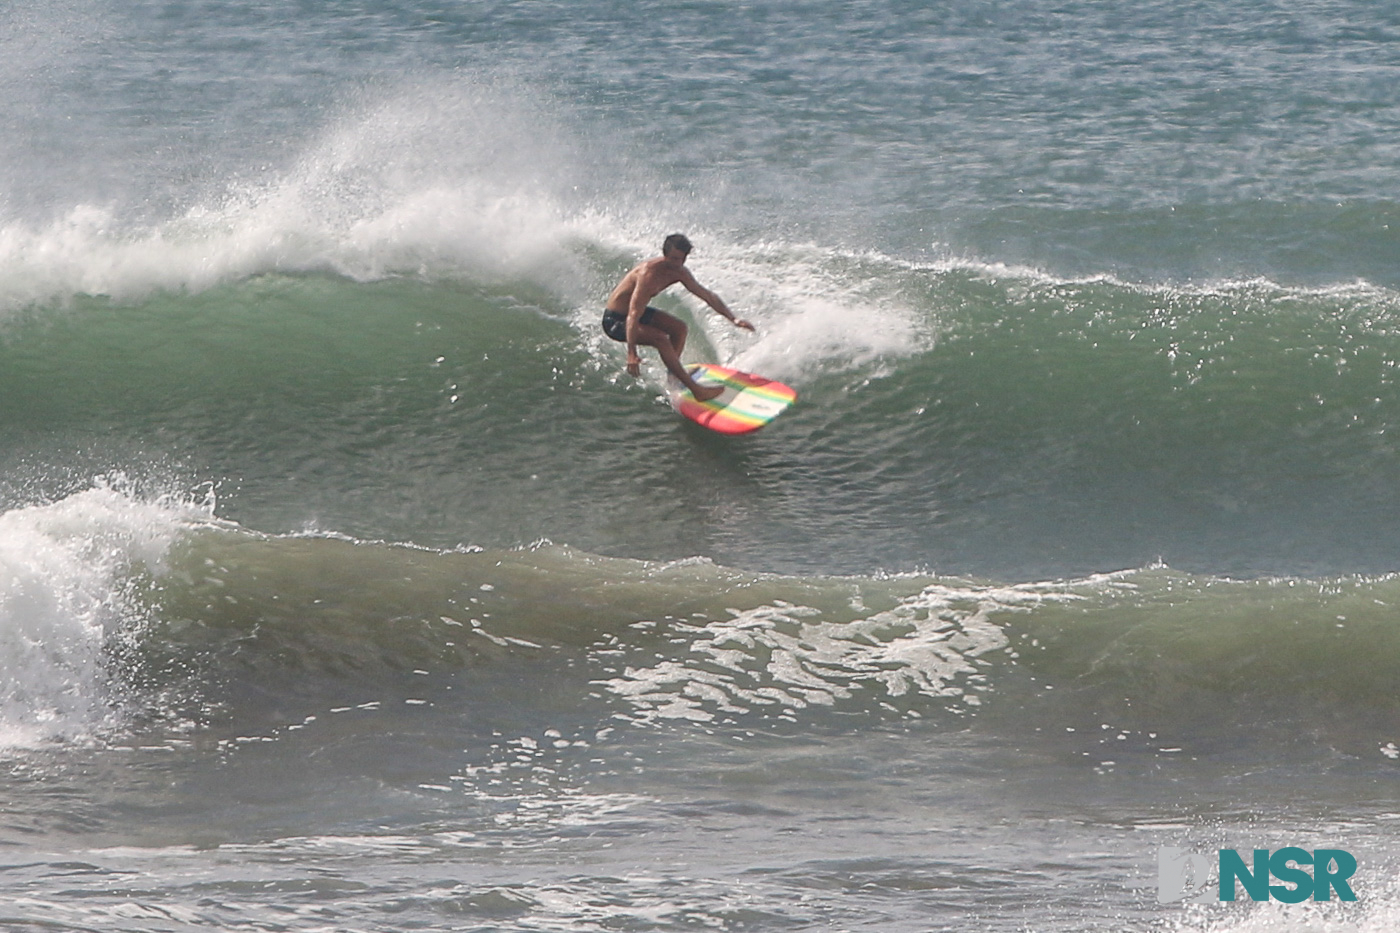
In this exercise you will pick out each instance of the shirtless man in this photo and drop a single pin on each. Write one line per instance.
(627, 319)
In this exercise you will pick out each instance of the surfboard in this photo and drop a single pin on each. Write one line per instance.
(747, 403)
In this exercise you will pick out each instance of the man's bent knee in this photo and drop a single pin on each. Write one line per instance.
(651, 335)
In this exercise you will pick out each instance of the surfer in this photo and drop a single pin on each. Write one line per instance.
(627, 318)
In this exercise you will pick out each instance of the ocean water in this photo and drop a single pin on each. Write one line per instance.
(348, 583)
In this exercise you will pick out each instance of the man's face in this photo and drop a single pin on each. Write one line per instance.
(676, 256)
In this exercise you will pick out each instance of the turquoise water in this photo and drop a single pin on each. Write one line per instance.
(347, 582)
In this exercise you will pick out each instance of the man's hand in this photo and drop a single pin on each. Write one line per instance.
(739, 322)
(634, 364)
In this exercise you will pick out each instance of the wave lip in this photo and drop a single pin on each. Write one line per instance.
(70, 572)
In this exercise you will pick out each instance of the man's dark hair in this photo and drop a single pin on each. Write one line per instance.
(677, 241)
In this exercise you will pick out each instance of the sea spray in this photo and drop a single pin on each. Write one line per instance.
(420, 178)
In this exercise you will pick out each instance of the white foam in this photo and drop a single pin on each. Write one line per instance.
(1374, 911)
(783, 658)
(817, 310)
(66, 573)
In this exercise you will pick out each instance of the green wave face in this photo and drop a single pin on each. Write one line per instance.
(1243, 428)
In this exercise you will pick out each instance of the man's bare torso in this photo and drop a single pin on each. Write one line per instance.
(646, 280)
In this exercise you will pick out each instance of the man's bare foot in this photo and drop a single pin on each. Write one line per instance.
(705, 393)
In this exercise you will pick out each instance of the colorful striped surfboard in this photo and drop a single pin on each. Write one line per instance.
(748, 403)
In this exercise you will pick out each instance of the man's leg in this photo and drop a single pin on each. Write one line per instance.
(673, 326)
(654, 336)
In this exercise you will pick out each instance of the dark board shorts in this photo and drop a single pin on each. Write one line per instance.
(615, 323)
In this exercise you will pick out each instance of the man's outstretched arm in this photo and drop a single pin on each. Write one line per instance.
(711, 299)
